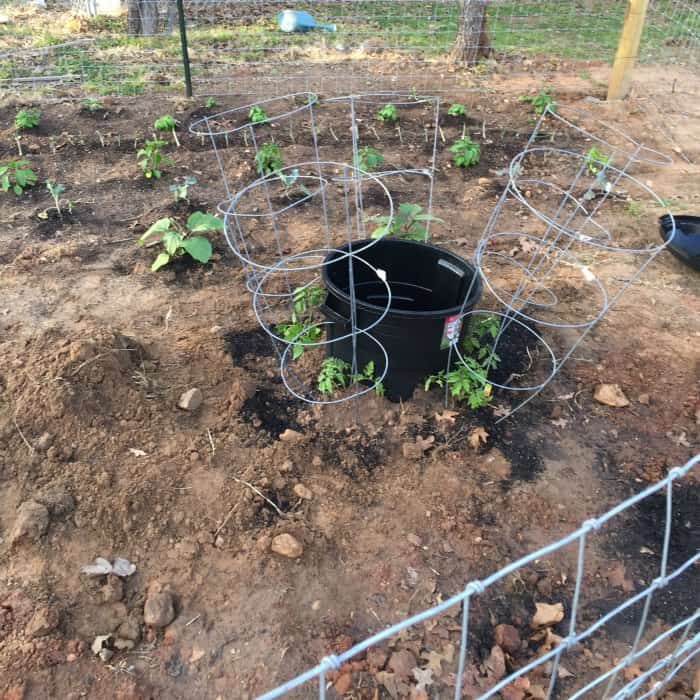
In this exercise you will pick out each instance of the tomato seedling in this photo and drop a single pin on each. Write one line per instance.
(457, 110)
(27, 119)
(268, 159)
(468, 381)
(368, 159)
(540, 102)
(257, 115)
(388, 113)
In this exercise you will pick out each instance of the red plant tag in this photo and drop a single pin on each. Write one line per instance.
(453, 325)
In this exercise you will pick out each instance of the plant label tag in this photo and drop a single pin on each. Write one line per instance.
(450, 333)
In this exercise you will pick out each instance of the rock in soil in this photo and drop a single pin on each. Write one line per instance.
(31, 523)
(303, 492)
(159, 609)
(290, 435)
(508, 638)
(191, 400)
(129, 630)
(287, 546)
(547, 614)
(610, 395)
(43, 622)
(57, 499)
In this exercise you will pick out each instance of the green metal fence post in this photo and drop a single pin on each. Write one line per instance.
(183, 43)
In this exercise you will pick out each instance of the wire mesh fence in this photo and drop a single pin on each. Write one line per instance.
(237, 46)
(655, 655)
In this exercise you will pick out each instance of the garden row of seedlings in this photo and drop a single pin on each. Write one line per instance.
(285, 225)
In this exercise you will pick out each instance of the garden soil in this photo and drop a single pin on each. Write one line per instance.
(97, 351)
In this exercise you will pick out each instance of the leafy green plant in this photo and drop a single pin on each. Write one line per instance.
(595, 158)
(467, 152)
(468, 381)
(16, 175)
(257, 115)
(407, 223)
(388, 113)
(540, 102)
(289, 181)
(307, 298)
(457, 110)
(56, 190)
(181, 190)
(179, 240)
(268, 159)
(211, 103)
(150, 158)
(299, 331)
(368, 375)
(90, 104)
(333, 375)
(368, 159)
(167, 123)
(337, 374)
(27, 119)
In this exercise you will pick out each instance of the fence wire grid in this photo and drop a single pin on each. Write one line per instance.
(237, 47)
(663, 654)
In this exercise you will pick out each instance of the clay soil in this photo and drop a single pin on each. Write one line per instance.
(96, 351)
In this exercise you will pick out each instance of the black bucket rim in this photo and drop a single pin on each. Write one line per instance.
(475, 292)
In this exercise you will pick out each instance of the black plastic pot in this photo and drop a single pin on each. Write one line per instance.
(686, 241)
(428, 286)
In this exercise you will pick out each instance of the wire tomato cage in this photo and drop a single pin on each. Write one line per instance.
(567, 237)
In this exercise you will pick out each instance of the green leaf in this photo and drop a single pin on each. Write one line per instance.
(380, 232)
(199, 248)
(160, 226)
(162, 259)
(409, 209)
(199, 222)
(5, 183)
(165, 123)
(18, 190)
(172, 240)
(20, 177)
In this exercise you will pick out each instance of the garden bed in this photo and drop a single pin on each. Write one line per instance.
(396, 512)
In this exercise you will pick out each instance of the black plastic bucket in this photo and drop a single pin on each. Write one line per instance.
(686, 239)
(428, 287)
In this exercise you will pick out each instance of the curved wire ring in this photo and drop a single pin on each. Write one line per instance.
(365, 390)
(537, 336)
(194, 126)
(656, 157)
(514, 176)
(229, 212)
(317, 253)
(578, 206)
(482, 252)
(383, 97)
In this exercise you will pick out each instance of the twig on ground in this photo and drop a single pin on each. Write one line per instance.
(261, 494)
(21, 434)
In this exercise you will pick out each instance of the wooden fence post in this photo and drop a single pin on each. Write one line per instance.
(627, 49)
